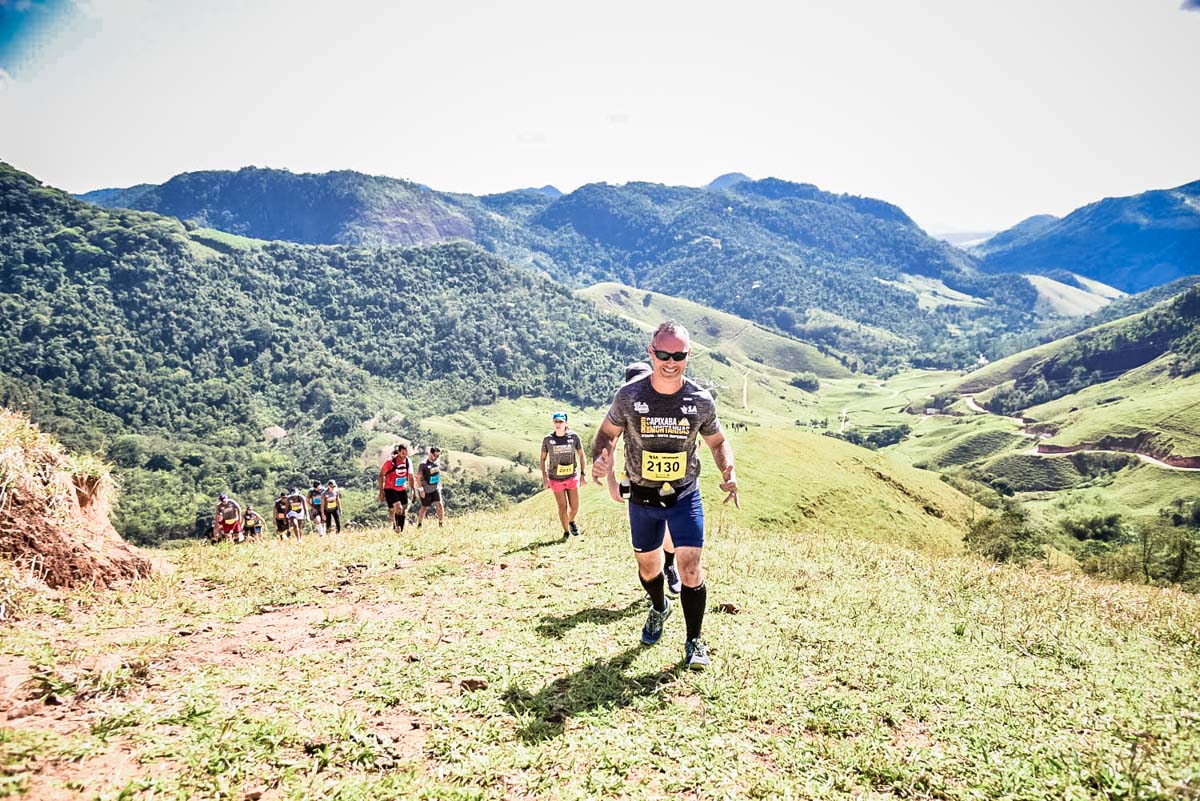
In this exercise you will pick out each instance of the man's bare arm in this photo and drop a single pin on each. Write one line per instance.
(722, 453)
(602, 448)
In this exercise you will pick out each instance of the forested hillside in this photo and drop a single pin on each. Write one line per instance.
(336, 208)
(827, 267)
(1169, 330)
(172, 350)
(1132, 243)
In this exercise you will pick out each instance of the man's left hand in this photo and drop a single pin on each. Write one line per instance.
(730, 486)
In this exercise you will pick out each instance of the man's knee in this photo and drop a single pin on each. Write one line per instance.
(649, 563)
(688, 561)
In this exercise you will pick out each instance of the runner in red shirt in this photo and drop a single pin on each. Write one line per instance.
(395, 477)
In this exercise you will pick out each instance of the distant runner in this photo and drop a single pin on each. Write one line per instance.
(252, 524)
(295, 515)
(395, 477)
(316, 510)
(563, 451)
(227, 520)
(333, 506)
(430, 475)
(661, 416)
(281, 516)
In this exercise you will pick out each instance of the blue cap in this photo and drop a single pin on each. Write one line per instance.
(559, 416)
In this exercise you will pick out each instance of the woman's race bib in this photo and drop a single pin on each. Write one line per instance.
(565, 470)
(663, 466)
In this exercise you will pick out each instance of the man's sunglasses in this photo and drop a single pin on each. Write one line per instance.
(664, 355)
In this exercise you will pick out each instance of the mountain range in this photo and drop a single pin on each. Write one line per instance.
(1131, 243)
(832, 268)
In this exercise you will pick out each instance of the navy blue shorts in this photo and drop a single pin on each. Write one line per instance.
(648, 524)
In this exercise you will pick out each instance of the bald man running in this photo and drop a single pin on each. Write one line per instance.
(661, 416)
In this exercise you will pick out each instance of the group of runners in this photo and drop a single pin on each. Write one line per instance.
(396, 477)
(659, 413)
(320, 509)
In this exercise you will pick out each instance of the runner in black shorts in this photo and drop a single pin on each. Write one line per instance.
(281, 511)
(395, 477)
(661, 416)
(430, 485)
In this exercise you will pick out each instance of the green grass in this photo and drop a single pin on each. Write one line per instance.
(1026, 472)
(975, 447)
(854, 669)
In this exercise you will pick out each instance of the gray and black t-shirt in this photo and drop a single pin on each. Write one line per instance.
(661, 430)
(431, 475)
(561, 455)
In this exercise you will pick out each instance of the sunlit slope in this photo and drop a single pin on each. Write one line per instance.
(796, 481)
(489, 660)
(1058, 299)
(735, 337)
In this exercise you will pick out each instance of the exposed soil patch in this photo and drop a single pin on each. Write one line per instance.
(54, 518)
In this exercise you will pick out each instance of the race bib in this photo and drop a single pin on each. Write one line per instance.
(280, 515)
(435, 478)
(317, 501)
(565, 470)
(663, 466)
(401, 481)
(230, 519)
(333, 504)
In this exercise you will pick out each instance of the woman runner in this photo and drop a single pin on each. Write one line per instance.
(562, 458)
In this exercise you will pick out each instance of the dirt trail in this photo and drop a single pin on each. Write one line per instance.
(1144, 457)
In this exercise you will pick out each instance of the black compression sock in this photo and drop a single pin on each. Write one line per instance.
(655, 587)
(668, 558)
(693, 600)
(400, 521)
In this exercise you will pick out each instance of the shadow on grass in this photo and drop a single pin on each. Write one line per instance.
(536, 546)
(603, 684)
(556, 627)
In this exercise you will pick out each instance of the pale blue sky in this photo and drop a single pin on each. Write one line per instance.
(969, 115)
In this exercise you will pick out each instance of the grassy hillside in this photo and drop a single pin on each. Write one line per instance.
(1057, 299)
(1148, 404)
(488, 660)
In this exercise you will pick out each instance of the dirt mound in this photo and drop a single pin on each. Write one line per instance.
(54, 512)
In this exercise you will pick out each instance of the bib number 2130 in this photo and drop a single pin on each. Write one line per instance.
(663, 466)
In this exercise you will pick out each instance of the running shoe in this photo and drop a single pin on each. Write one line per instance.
(695, 655)
(652, 631)
(566, 535)
(674, 585)
(574, 528)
